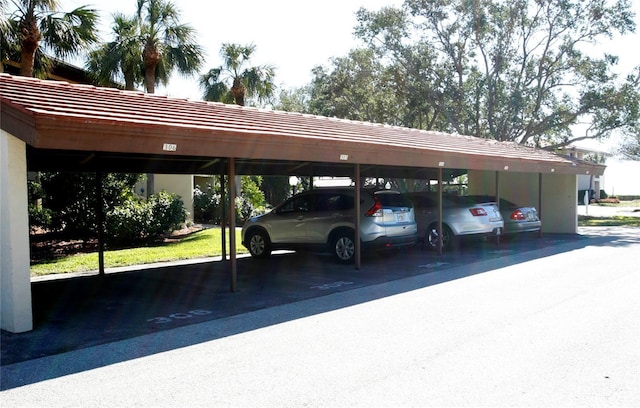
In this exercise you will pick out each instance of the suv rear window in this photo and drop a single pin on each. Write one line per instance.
(393, 200)
(334, 202)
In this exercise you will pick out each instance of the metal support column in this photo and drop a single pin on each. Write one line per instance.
(498, 202)
(100, 219)
(540, 201)
(356, 237)
(440, 243)
(232, 224)
(223, 216)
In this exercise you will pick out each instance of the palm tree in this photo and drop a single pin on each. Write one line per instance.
(5, 43)
(167, 44)
(245, 82)
(37, 23)
(120, 59)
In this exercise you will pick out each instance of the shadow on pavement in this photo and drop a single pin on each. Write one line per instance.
(160, 309)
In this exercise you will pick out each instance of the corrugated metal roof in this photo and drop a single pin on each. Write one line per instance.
(71, 117)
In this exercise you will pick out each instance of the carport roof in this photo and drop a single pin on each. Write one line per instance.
(81, 127)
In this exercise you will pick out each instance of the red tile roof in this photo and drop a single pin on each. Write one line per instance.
(63, 116)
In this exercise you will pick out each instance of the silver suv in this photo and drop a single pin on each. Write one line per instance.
(324, 219)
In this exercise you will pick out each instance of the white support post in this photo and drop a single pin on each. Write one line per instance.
(15, 280)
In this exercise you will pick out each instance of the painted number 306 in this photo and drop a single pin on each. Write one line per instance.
(180, 316)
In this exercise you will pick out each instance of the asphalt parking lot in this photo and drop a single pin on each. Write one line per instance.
(83, 311)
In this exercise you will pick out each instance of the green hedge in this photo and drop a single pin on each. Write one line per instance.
(137, 220)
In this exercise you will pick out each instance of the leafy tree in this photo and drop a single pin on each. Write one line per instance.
(630, 149)
(294, 100)
(72, 202)
(630, 146)
(39, 217)
(275, 188)
(245, 81)
(35, 25)
(168, 45)
(522, 71)
(207, 200)
(120, 59)
(359, 87)
(8, 45)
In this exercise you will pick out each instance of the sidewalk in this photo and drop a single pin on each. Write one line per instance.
(595, 210)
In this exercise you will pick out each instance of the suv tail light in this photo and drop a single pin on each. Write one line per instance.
(478, 212)
(376, 210)
(517, 215)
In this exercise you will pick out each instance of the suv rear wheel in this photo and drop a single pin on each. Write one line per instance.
(259, 244)
(343, 246)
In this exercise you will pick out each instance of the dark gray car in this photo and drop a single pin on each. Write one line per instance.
(517, 218)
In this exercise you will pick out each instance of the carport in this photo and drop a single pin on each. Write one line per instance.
(49, 125)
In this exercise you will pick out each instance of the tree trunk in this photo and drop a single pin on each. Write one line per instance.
(31, 37)
(151, 57)
(150, 78)
(238, 90)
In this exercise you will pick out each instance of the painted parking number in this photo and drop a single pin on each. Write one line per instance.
(179, 316)
(332, 285)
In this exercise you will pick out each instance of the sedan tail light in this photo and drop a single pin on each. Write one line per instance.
(376, 210)
(517, 215)
(478, 212)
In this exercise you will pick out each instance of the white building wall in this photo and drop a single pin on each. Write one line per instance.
(559, 209)
(621, 177)
(172, 183)
(15, 279)
(181, 184)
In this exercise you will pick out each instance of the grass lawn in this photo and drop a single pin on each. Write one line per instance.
(613, 221)
(200, 244)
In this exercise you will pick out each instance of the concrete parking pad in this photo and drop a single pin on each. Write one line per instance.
(78, 312)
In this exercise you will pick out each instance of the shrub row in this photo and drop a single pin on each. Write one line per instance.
(66, 204)
(611, 200)
(138, 220)
(207, 202)
(592, 196)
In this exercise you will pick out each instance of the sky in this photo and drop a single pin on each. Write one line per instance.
(292, 35)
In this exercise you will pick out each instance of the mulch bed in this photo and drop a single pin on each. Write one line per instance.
(47, 246)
